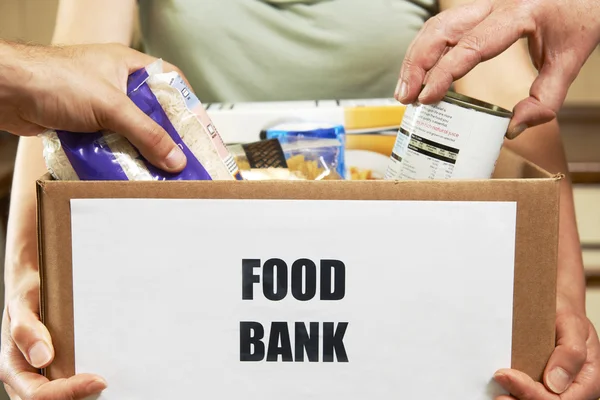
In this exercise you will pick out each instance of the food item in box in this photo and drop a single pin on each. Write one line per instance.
(269, 174)
(291, 132)
(259, 155)
(308, 158)
(457, 138)
(109, 156)
(312, 170)
(359, 174)
(366, 164)
(313, 158)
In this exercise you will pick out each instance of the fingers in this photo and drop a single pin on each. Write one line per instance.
(11, 393)
(153, 142)
(25, 328)
(31, 385)
(137, 60)
(437, 34)
(24, 128)
(527, 113)
(29, 334)
(521, 386)
(569, 355)
(123, 116)
(553, 82)
(22, 381)
(168, 67)
(491, 37)
(547, 95)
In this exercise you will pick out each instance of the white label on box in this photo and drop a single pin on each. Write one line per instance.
(272, 299)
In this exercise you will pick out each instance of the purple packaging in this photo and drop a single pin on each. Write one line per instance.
(91, 157)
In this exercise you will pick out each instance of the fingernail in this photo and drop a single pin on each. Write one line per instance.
(401, 90)
(97, 385)
(516, 131)
(558, 380)
(424, 93)
(499, 376)
(39, 354)
(175, 159)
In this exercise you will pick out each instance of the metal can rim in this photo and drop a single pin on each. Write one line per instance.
(469, 102)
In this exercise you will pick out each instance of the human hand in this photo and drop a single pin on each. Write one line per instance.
(27, 346)
(573, 370)
(561, 37)
(80, 89)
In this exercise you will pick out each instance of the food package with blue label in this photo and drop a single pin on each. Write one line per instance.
(297, 158)
(294, 135)
(166, 99)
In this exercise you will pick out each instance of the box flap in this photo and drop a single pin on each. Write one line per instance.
(512, 166)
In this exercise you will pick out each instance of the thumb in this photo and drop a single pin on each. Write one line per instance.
(569, 355)
(546, 97)
(153, 142)
(29, 334)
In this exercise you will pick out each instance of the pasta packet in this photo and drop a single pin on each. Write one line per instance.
(166, 99)
(297, 158)
(259, 155)
(291, 132)
(314, 158)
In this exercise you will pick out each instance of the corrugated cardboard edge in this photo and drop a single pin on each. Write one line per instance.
(535, 270)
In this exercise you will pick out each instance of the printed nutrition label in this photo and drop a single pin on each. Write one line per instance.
(432, 158)
(418, 152)
(431, 138)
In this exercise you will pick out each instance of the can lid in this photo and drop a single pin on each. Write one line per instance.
(468, 102)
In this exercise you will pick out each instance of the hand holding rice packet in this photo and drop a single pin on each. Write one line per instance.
(166, 99)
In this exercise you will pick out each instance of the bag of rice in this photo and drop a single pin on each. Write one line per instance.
(166, 99)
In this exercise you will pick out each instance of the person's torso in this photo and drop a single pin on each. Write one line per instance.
(265, 50)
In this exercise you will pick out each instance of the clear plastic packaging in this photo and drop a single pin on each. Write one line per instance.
(166, 99)
(297, 158)
(291, 132)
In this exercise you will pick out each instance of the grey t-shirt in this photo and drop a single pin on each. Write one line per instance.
(269, 50)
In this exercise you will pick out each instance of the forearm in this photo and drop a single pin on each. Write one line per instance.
(21, 261)
(504, 81)
(93, 21)
(543, 146)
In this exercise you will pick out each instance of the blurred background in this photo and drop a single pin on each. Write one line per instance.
(33, 20)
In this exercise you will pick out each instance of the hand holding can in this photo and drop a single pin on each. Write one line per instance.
(457, 138)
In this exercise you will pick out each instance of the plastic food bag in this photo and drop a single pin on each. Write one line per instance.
(264, 154)
(292, 132)
(109, 156)
(297, 158)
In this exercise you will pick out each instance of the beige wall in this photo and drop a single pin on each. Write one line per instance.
(31, 20)
(586, 88)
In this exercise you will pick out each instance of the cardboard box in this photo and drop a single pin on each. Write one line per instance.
(535, 192)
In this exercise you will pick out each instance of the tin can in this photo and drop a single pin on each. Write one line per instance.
(457, 138)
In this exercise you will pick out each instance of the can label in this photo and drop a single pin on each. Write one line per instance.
(446, 141)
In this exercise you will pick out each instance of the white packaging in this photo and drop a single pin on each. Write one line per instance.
(447, 141)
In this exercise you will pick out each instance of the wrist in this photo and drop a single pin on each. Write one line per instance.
(21, 271)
